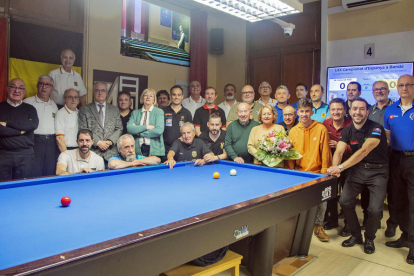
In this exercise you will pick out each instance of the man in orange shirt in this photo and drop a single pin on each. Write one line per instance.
(311, 139)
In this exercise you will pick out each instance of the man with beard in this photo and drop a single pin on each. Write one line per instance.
(202, 114)
(264, 90)
(229, 92)
(368, 168)
(126, 158)
(247, 97)
(353, 90)
(82, 159)
(320, 109)
(195, 100)
(214, 139)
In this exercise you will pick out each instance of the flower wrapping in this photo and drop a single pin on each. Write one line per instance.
(276, 147)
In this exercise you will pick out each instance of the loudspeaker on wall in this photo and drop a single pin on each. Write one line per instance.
(216, 41)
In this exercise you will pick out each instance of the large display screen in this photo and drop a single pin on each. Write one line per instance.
(339, 77)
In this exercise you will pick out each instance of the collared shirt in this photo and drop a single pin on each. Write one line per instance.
(173, 122)
(12, 104)
(335, 134)
(120, 157)
(217, 146)
(401, 126)
(376, 114)
(287, 130)
(202, 116)
(66, 124)
(192, 105)
(63, 81)
(320, 113)
(103, 110)
(255, 112)
(146, 141)
(46, 111)
(279, 114)
(356, 138)
(226, 107)
(184, 152)
(271, 101)
(74, 163)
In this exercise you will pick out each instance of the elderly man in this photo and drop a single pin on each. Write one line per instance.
(399, 127)
(80, 160)
(238, 134)
(247, 93)
(18, 121)
(45, 148)
(282, 96)
(65, 78)
(163, 99)
(188, 148)
(127, 157)
(229, 94)
(320, 109)
(290, 118)
(265, 89)
(301, 92)
(175, 116)
(214, 139)
(103, 120)
(202, 114)
(195, 100)
(66, 122)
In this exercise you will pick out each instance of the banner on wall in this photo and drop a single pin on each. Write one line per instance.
(35, 50)
(165, 17)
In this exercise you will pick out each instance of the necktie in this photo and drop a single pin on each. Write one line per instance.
(145, 122)
(101, 116)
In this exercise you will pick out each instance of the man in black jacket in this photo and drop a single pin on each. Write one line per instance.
(18, 120)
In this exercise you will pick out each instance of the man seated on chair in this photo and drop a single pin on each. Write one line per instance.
(126, 158)
(82, 159)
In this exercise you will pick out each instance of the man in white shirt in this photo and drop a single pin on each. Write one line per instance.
(265, 89)
(195, 100)
(229, 93)
(66, 122)
(82, 159)
(45, 146)
(65, 78)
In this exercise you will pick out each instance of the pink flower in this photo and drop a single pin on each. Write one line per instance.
(283, 147)
(272, 134)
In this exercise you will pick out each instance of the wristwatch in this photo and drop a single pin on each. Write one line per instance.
(341, 167)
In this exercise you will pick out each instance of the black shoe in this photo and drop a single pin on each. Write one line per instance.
(397, 244)
(410, 257)
(330, 225)
(369, 246)
(390, 232)
(346, 232)
(352, 241)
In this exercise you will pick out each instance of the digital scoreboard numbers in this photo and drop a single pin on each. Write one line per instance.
(339, 84)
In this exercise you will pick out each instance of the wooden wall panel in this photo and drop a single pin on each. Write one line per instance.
(265, 69)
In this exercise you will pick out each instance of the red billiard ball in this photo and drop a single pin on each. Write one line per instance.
(65, 201)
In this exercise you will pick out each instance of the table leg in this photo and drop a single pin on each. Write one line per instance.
(264, 250)
(304, 231)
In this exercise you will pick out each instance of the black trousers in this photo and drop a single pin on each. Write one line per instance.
(332, 205)
(376, 182)
(402, 186)
(16, 166)
(145, 149)
(46, 154)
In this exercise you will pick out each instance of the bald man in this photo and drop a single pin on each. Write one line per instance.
(290, 118)
(247, 93)
(18, 120)
(195, 100)
(319, 108)
(65, 77)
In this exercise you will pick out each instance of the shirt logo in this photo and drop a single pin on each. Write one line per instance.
(378, 130)
(412, 116)
(222, 144)
(354, 142)
(314, 139)
(182, 118)
(168, 114)
(76, 84)
(393, 116)
(323, 114)
(194, 154)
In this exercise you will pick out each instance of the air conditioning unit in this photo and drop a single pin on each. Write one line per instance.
(350, 5)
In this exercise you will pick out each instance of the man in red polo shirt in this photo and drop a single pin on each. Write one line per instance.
(335, 125)
(202, 114)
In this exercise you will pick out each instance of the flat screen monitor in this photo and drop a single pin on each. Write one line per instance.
(339, 77)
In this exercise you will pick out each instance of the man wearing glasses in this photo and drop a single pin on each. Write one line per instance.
(264, 90)
(290, 118)
(45, 148)
(247, 93)
(18, 121)
(66, 122)
(399, 127)
(103, 120)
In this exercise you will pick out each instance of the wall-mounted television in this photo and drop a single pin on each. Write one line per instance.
(339, 77)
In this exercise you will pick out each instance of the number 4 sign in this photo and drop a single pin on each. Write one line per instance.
(369, 51)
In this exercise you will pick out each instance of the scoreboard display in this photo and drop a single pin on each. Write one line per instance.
(339, 77)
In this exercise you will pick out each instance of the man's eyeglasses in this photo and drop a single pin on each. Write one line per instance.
(44, 84)
(100, 91)
(16, 88)
(265, 87)
(72, 97)
(408, 85)
(382, 89)
(247, 92)
(288, 115)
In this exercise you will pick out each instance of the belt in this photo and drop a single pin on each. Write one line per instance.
(47, 136)
(404, 153)
(372, 166)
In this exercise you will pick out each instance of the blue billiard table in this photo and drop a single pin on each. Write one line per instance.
(143, 221)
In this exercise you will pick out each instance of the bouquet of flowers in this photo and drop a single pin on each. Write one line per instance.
(276, 147)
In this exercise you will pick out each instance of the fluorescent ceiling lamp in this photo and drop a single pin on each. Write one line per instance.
(255, 10)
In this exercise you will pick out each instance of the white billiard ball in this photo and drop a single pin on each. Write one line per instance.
(233, 172)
